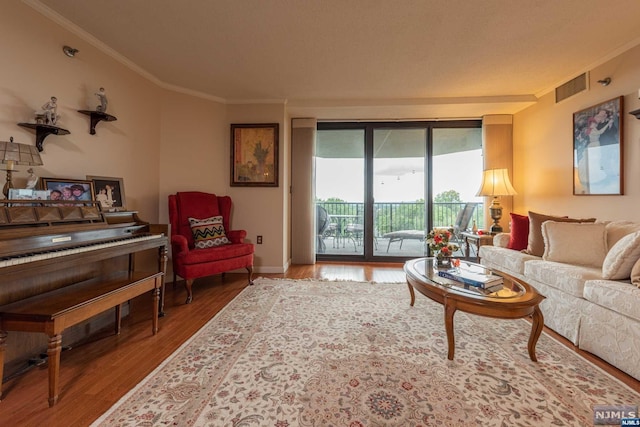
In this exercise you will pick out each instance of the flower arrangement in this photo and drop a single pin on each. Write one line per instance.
(438, 241)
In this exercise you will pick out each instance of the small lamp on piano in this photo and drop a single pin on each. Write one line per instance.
(495, 183)
(14, 153)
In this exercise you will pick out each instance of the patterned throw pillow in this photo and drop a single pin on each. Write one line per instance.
(208, 233)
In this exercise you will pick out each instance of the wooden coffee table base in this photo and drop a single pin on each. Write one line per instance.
(520, 307)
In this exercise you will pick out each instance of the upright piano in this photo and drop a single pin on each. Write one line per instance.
(63, 263)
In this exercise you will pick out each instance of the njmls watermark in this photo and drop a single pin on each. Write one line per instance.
(616, 415)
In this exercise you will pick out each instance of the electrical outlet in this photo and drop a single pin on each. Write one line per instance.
(259, 240)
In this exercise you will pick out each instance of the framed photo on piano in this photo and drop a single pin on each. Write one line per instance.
(68, 189)
(109, 191)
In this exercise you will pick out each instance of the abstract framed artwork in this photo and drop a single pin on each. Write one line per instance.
(254, 155)
(598, 149)
(109, 192)
(68, 189)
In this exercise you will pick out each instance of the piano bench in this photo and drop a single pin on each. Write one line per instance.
(54, 311)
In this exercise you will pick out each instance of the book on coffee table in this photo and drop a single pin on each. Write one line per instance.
(477, 277)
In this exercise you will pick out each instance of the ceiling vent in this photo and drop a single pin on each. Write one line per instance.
(571, 87)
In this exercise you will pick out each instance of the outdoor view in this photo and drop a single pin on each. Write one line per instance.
(400, 214)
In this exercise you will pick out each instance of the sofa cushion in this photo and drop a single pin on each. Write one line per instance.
(574, 243)
(535, 242)
(208, 232)
(616, 230)
(621, 257)
(565, 277)
(503, 259)
(620, 297)
(217, 253)
(519, 236)
(635, 274)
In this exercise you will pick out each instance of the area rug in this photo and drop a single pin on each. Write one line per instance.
(290, 353)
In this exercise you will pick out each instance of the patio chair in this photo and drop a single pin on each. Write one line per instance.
(462, 223)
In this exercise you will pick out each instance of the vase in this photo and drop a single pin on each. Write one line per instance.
(442, 261)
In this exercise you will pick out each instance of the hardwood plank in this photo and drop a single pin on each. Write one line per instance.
(95, 374)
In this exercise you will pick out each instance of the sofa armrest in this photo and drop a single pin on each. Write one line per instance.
(501, 240)
(236, 236)
(179, 244)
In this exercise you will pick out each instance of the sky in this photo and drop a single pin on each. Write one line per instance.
(400, 179)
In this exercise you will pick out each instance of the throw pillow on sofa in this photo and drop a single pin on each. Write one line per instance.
(616, 230)
(519, 235)
(622, 257)
(208, 233)
(635, 274)
(574, 243)
(535, 242)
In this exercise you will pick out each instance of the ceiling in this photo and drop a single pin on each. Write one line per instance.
(368, 59)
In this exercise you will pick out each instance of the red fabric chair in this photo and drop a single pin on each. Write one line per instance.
(191, 263)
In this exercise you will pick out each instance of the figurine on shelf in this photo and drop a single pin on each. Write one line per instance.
(49, 111)
(32, 179)
(102, 96)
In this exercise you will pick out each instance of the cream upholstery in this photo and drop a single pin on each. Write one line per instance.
(598, 315)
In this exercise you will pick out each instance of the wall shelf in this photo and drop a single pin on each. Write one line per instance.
(97, 117)
(42, 131)
(635, 113)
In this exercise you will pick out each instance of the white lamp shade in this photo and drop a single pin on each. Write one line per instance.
(495, 182)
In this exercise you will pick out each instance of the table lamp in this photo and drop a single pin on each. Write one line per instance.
(495, 183)
(13, 153)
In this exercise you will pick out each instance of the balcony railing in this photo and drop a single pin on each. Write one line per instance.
(390, 217)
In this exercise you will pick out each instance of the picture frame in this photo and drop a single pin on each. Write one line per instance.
(598, 155)
(109, 191)
(254, 155)
(68, 189)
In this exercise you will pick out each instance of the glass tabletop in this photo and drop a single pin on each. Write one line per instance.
(507, 289)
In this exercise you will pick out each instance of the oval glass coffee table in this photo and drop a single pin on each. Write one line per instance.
(516, 299)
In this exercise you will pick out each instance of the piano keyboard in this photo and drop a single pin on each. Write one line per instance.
(24, 259)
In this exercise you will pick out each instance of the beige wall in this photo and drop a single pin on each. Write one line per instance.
(35, 68)
(162, 142)
(165, 141)
(543, 148)
(264, 210)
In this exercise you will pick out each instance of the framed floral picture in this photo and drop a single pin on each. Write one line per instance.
(254, 155)
(109, 191)
(68, 189)
(598, 149)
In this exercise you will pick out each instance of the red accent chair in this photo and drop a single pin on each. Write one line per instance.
(191, 263)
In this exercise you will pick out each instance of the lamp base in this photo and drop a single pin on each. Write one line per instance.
(495, 228)
(8, 184)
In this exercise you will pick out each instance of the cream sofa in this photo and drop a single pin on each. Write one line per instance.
(589, 274)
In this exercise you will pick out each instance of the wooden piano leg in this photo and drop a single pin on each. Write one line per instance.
(3, 345)
(118, 318)
(156, 304)
(163, 256)
(53, 353)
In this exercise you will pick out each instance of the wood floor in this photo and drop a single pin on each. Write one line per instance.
(95, 374)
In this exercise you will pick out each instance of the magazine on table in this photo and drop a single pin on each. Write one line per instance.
(472, 275)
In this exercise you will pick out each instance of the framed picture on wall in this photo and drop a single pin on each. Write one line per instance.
(598, 149)
(68, 189)
(254, 155)
(109, 191)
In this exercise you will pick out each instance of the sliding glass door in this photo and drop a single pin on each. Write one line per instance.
(381, 186)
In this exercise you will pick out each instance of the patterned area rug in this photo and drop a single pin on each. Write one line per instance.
(290, 353)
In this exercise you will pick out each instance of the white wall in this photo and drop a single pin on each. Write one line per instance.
(543, 148)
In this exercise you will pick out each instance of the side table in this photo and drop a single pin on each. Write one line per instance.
(477, 240)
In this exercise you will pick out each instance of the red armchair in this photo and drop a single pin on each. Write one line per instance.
(190, 262)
